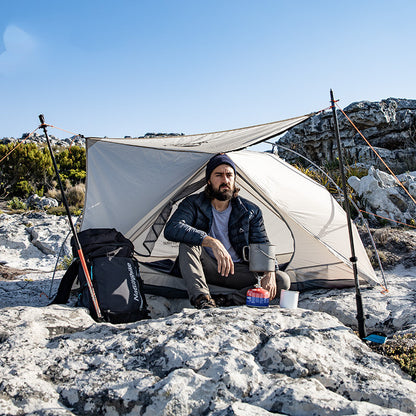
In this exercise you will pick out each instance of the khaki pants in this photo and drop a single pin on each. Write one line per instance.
(199, 269)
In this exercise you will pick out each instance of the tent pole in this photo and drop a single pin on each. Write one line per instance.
(78, 244)
(353, 259)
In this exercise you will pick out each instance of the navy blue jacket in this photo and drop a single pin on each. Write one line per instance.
(192, 221)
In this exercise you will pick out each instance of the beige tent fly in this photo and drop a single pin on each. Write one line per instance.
(135, 184)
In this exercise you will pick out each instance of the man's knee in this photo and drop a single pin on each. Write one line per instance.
(282, 281)
(188, 250)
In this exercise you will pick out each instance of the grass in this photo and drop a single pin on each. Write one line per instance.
(62, 211)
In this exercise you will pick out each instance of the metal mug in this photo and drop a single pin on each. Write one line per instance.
(261, 257)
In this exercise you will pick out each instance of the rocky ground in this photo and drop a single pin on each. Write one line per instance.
(228, 361)
(394, 246)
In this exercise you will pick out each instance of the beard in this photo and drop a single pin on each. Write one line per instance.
(222, 194)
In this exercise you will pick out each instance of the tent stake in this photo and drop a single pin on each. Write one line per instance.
(353, 259)
(78, 244)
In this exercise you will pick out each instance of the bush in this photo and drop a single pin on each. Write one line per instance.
(73, 158)
(77, 175)
(76, 195)
(403, 350)
(65, 263)
(16, 203)
(28, 169)
(27, 163)
(24, 189)
(54, 193)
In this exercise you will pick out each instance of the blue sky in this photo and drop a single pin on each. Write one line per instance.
(116, 68)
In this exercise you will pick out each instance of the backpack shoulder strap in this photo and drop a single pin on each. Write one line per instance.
(64, 289)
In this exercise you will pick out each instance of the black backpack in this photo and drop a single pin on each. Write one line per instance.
(114, 274)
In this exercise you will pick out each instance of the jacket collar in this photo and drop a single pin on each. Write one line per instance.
(238, 208)
(205, 205)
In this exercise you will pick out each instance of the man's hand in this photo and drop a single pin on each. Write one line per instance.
(224, 260)
(268, 282)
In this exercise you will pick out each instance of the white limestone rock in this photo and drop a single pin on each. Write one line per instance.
(56, 360)
(295, 362)
(35, 201)
(382, 195)
(33, 240)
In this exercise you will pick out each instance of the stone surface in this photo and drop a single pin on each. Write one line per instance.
(381, 194)
(33, 240)
(37, 202)
(296, 362)
(388, 125)
(56, 360)
(394, 246)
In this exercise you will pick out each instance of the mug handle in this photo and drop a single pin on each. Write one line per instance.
(245, 257)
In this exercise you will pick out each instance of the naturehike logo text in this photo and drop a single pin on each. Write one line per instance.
(136, 295)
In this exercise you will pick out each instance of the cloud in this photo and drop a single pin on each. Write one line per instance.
(19, 49)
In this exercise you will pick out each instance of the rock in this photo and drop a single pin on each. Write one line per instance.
(37, 202)
(394, 246)
(10, 273)
(22, 237)
(214, 362)
(388, 125)
(381, 194)
(7, 140)
(56, 360)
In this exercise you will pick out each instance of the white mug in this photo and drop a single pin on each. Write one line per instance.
(289, 299)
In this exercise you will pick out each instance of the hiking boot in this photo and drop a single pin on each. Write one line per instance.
(204, 302)
(222, 300)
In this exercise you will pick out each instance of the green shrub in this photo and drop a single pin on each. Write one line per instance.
(71, 159)
(403, 350)
(16, 203)
(28, 168)
(24, 189)
(65, 263)
(77, 175)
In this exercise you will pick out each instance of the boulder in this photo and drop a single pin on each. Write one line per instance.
(381, 194)
(37, 202)
(23, 235)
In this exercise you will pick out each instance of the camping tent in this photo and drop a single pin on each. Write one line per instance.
(135, 184)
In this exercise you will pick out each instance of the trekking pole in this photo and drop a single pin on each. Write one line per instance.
(77, 243)
(353, 259)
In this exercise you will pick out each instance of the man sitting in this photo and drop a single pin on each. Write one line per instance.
(212, 228)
